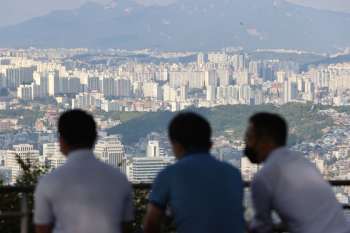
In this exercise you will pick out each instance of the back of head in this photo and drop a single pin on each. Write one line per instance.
(190, 130)
(78, 128)
(272, 125)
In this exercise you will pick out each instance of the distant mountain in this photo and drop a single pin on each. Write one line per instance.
(10, 15)
(194, 25)
(327, 61)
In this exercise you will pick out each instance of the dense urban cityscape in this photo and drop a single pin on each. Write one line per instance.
(174, 116)
(49, 82)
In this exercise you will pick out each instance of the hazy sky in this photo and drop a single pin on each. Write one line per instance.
(42, 7)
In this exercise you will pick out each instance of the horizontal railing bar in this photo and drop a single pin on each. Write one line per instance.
(30, 188)
(20, 189)
(340, 182)
(142, 186)
(11, 214)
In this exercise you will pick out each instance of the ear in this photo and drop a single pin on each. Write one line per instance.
(64, 147)
(178, 149)
(210, 145)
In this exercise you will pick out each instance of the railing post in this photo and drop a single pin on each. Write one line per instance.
(24, 211)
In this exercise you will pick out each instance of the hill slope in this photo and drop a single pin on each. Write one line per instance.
(303, 125)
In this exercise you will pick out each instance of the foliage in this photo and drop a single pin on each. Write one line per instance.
(78, 57)
(4, 92)
(46, 100)
(161, 82)
(195, 90)
(332, 174)
(303, 125)
(112, 97)
(69, 95)
(331, 161)
(141, 200)
(10, 202)
(117, 115)
(29, 116)
(340, 109)
(96, 62)
(324, 89)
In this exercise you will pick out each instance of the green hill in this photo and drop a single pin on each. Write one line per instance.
(302, 124)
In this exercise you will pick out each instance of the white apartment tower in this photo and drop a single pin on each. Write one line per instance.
(112, 105)
(153, 149)
(24, 151)
(24, 92)
(200, 58)
(184, 92)
(111, 151)
(320, 165)
(211, 93)
(290, 91)
(145, 169)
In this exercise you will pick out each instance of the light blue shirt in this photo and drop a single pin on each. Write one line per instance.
(204, 194)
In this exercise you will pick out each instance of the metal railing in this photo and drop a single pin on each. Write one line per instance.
(25, 212)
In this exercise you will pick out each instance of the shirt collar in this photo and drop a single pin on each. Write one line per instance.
(276, 154)
(80, 154)
(197, 151)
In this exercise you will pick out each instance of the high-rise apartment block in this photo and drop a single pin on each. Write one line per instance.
(24, 151)
(88, 99)
(145, 169)
(111, 151)
(112, 105)
(153, 149)
(184, 92)
(290, 91)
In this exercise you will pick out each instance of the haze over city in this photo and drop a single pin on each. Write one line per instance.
(133, 66)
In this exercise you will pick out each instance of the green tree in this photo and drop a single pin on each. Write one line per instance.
(4, 92)
(10, 202)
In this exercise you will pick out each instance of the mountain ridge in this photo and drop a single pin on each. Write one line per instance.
(201, 25)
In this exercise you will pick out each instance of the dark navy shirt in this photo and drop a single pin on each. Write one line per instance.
(204, 193)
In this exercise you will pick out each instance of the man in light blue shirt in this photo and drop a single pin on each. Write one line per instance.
(205, 195)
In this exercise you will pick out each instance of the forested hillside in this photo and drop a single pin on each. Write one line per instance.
(303, 125)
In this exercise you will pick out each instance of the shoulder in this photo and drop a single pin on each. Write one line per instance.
(170, 169)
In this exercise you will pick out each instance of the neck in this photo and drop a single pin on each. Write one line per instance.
(268, 151)
(70, 150)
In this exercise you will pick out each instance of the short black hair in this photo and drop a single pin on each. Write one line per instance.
(271, 125)
(190, 130)
(77, 128)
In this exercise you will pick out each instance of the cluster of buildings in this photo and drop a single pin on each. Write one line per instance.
(109, 149)
(214, 79)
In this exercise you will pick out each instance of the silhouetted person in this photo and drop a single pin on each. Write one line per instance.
(84, 195)
(288, 183)
(205, 195)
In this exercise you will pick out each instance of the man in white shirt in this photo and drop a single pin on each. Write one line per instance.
(288, 183)
(84, 195)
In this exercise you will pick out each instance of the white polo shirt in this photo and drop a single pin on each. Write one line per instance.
(83, 196)
(291, 185)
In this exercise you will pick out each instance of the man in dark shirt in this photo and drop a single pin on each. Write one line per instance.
(205, 195)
